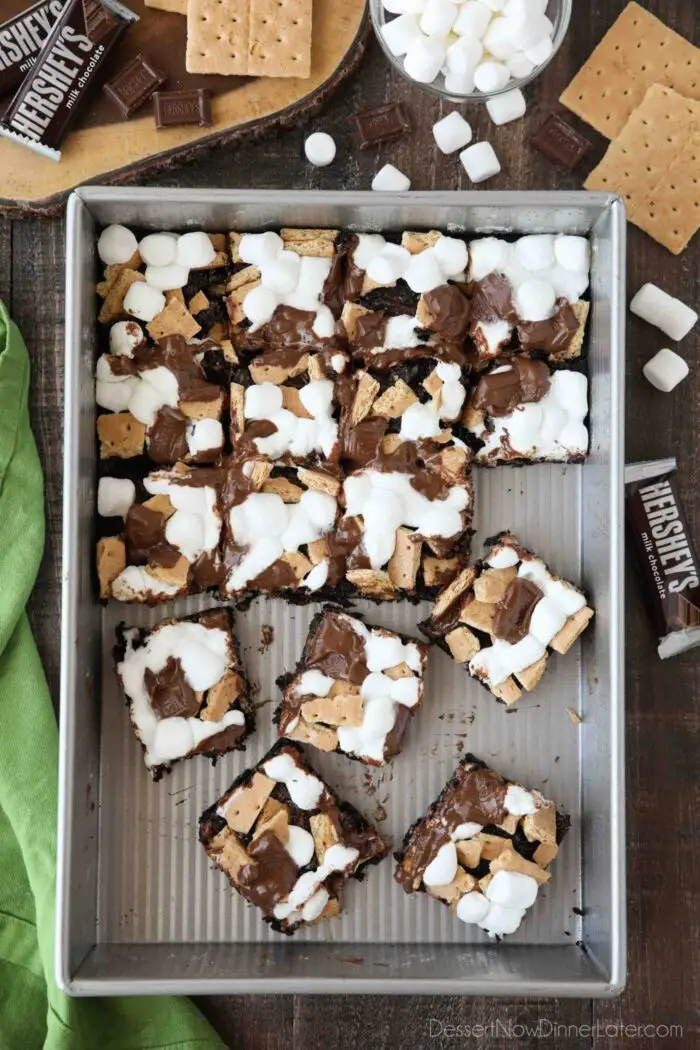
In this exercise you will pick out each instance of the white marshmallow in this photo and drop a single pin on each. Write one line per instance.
(443, 867)
(389, 264)
(566, 283)
(491, 76)
(383, 651)
(464, 55)
(401, 332)
(529, 30)
(324, 327)
(262, 401)
(499, 920)
(368, 245)
(659, 308)
(472, 907)
(405, 691)
(394, 7)
(315, 904)
(164, 278)
(158, 249)
(502, 557)
(512, 889)
(124, 337)
(494, 5)
(390, 180)
(260, 248)
(115, 396)
(520, 65)
(419, 421)
(541, 51)
(534, 300)
(472, 20)
(320, 149)
(317, 577)
(281, 274)
(195, 250)
(424, 59)
(400, 33)
(488, 255)
(143, 301)
(259, 305)
(452, 255)
(116, 245)
(535, 252)
(424, 272)
(573, 253)
(480, 161)
(519, 802)
(299, 845)
(665, 370)
(204, 435)
(466, 831)
(313, 683)
(497, 41)
(438, 17)
(507, 107)
(114, 497)
(304, 789)
(459, 83)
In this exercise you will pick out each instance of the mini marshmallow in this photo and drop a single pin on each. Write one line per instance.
(424, 59)
(520, 65)
(452, 255)
(158, 249)
(472, 907)
(665, 370)
(497, 39)
(472, 20)
(659, 308)
(491, 76)
(401, 332)
(281, 274)
(394, 7)
(573, 253)
(390, 180)
(400, 33)
(494, 5)
(143, 301)
(452, 133)
(424, 272)
(529, 30)
(165, 278)
(116, 245)
(534, 300)
(499, 920)
(304, 789)
(480, 161)
(512, 889)
(204, 435)
(443, 867)
(259, 305)
(195, 250)
(318, 576)
(114, 497)
(488, 255)
(315, 904)
(299, 845)
(459, 83)
(260, 248)
(507, 107)
(438, 17)
(324, 327)
(313, 683)
(541, 51)
(466, 831)
(535, 252)
(464, 55)
(519, 802)
(320, 149)
(124, 337)
(389, 264)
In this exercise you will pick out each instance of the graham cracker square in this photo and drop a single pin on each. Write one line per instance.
(280, 38)
(217, 37)
(637, 51)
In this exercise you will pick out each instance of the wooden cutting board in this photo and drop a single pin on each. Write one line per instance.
(104, 148)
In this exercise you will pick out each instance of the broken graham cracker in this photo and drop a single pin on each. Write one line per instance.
(217, 37)
(652, 164)
(175, 7)
(636, 52)
(174, 319)
(279, 38)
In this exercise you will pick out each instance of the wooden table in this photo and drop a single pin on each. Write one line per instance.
(663, 722)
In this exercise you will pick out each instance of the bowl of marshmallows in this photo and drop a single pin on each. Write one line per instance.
(470, 50)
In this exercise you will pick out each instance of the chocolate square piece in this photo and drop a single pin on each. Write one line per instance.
(185, 687)
(383, 124)
(134, 85)
(561, 143)
(355, 689)
(286, 842)
(505, 616)
(175, 108)
(483, 848)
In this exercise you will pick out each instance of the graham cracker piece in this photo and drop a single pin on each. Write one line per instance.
(175, 7)
(223, 695)
(242, 809)
(217, 37)
(404, 562)
(279, 38)
(580, 308)
(111, 560)
(175, 319)
(121, 435)
(198, 302)
(671, 212)
(113, 306)
(636, 52)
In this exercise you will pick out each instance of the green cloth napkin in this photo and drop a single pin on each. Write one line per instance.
(33, 1012)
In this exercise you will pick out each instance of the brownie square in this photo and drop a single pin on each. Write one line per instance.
(503, 617)
(185, 687)
(286, 842)
(483, 848)
(355, 689)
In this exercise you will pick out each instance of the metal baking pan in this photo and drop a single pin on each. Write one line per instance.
(140, 910)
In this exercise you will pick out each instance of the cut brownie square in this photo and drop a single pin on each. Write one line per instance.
(170, 544)
(185, 687)
(286, 841)
(483, 848)
(355, 690)
(504, 616)
(523, 412)
(284, 404)
(165, 400)
(279, 524)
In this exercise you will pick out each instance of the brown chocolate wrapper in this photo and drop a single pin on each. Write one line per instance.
(21, 40)
(665, 552)
(68, 66)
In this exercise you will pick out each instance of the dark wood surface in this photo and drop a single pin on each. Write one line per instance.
(663, 719)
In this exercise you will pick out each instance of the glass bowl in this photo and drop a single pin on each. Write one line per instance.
(559, 11)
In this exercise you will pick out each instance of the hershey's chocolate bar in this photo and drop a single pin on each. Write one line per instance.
(561, 143)
(187, 106)
(66, 68)
(665, 552)
(21, 40)
(133, 85)
(382, 124)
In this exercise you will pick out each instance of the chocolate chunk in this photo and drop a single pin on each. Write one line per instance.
(561, 143)
(514, 612)
(499, 393)
(174, 108)
(553, 335)
(134, 85)
(382, 124)
(21, 40)
(450, 311)
(67, 67)
(170, 693)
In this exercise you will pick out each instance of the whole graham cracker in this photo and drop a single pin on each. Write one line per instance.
(280, 38)
(636, 52)
(653, 164)
(217, 36)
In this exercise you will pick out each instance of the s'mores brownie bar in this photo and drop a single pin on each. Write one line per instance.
(355, 689)
(286, 842)
(521, 411)
(503, 617)
(483, 848)
(185, 688)
(169, 544)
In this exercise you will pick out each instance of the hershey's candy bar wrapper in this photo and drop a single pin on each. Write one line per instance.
(22, 38)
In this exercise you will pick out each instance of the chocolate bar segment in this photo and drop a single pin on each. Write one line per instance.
(175, 108)
(383, 124)
(561, 143)
(68, 66)
(21, 40)
(134, 85)
(666, 554)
